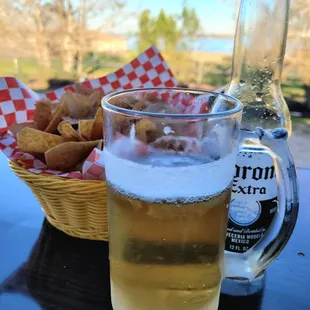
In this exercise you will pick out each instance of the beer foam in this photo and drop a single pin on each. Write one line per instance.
(156, 182)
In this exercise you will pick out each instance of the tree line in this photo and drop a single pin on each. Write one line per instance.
(56, 27)
(169, 32)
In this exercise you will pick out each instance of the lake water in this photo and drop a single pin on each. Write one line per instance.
(212, 45)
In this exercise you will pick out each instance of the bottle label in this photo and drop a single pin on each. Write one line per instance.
(254, 200)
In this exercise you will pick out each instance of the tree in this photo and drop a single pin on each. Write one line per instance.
(28, 19)
(147, 35)
(58, 26)
(73, 20)
(172, 34)
(190, 22)
(41, 36)
(160, 30)
(190, 27)
(3, 24)
(300, 30)
(166, 31)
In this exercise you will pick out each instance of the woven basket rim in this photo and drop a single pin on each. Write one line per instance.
(15, 166)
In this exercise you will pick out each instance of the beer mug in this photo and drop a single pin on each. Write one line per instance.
(170, 164)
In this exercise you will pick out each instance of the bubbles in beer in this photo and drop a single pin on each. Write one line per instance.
(168, 130)
(242, 83)
(259, 97)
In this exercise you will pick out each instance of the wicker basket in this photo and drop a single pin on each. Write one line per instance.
(76, 207)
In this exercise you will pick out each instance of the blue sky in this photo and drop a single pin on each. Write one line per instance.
(216, 16)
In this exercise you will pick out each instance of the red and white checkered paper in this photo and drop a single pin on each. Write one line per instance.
(17, 105)
(93, 168)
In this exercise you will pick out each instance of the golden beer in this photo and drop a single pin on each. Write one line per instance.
(169, 172)
(166, 255)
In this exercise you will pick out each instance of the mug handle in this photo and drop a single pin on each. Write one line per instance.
(250, 263)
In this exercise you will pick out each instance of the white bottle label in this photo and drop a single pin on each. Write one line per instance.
(253, 201)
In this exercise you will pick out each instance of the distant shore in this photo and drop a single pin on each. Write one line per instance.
(216, 44)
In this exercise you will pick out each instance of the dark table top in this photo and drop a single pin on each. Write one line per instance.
(42, 268)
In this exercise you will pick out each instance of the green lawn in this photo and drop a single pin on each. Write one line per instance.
(293, 90)
(300, 120)
(34, 75)
(31, 73)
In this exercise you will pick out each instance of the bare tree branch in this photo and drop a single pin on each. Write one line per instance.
(57, 27)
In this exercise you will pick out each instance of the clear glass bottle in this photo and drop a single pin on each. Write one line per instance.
(259, 50)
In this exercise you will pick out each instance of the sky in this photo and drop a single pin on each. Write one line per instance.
(216, 16)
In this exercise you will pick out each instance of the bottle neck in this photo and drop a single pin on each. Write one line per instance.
(259, 51)
(260, 41)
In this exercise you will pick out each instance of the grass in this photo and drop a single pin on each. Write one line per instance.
(36, 77)
(294, 91)
(300, 120)
(31, 73)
